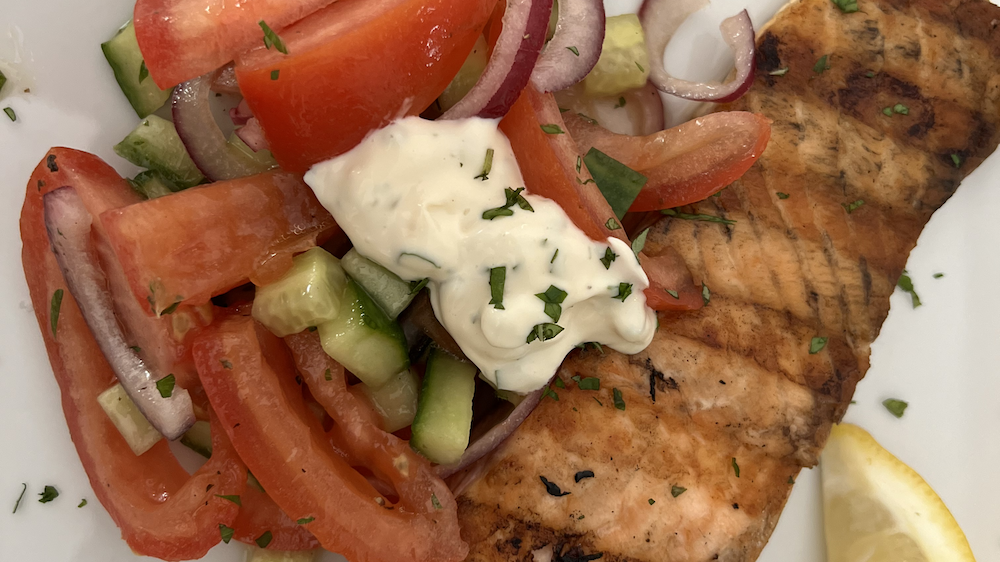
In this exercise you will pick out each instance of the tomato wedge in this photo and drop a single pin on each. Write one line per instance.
(259, 514)
(253, 392)
(162, 512)
(684, 164)
(183, 39)
(201, 242)
(353, 67)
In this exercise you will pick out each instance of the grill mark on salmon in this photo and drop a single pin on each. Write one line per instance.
(735, 383)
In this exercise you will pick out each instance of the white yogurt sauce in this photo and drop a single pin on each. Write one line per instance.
(409, 199)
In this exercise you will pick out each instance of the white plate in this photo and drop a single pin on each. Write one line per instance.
(943, 358)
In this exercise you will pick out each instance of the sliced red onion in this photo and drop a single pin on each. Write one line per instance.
(507, 73)
(495, 436)
(68, 223)
(225, 82)
(661, 18)
(241, 113)
(253, 135)
(574, 48)
(202, 136)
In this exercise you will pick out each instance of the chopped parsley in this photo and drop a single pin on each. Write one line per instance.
(3, 80)
(583, 474)
(906, 284)
(589, 383)
(544, 332)
(48, 494)
(956, 160)
(573, 50)
(556, 253)
(779, 72)
(673, 293)
(816, 345)
(82, 503)
(226, 533)
(171, 309)
(143, 71)
(619, 184)
(624, 290)
(621, 102)
(619, 401)
(639, 66)
(328, 375)
(706, 294)
(651, 501)
(435, 501)
(487, 166)
(782, 195)
(559, 383)
(275, 73)
(307, 520)
(548, 392)
(264, 540)
(846, 6)
(887, 111)
(54, 307)
(166, 385)
(869, 74)
(587, 118)
(698, 217)
(853, 206)
(736, 467)
(552, 488)
(552, 129)
(24, 488)
(612, 224)
(791, 480)
(822, 64)
(901, 109)
(895, 407)
(226, 364)
(609, 257)
(135, 348)
(514, 197)
(677, 490)
(553, 298)
(417, 286)
(498, 276)
(271, 39)
(234, 499)
(640, 242)
(10, 113)
(938, 275)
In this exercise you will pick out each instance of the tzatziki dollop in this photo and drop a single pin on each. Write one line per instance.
(510, 277)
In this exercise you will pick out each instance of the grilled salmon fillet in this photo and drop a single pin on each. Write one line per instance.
(694, 444)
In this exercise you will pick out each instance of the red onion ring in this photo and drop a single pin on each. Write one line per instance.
(253, 135)
(507, 73)
(495, 436)
(241, 113)
(574, 48)
(202, 136)
(69, 223)
(661, 18)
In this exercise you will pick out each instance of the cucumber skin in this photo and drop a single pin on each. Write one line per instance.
(444, 414)
(151, 185)
(307, 295)
(390, 292)
(125, 59)
(154, 144)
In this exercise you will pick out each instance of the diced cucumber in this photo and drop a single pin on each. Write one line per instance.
(467, 76)
(133, 426)
(122, 52)
(264, 555)
(385, 287)
(395, 401)
(364, 340)
(263, 159)
(154, 144)
(308, 295)
(624, 62)
(444, 415)
(510, 396)
(150, 184)
(199, 438)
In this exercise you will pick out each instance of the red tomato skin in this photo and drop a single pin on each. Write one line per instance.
(184, 39)
(203, 241)
(161, 511)
(259, 514)
(355, 66)
(252, 388)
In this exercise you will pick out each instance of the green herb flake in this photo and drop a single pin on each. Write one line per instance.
(906, 284)
(673, 293)
(172, 308)
(226, 533)
(417, 286)
(651, 501)
(48, 494)
(54, 307)
(24, 488)
(895, 407)
(573, 50)
(82, 503)
(640, 242)
(624, 290)
(696, 217)
(589, 383)
(3, 80)
(869, 74)
(852, 206)
(791, 480)
(782, 195)
(901, 109)
(554, 255)
(677, 490)
(779, 72)
(436, 502)
(887, 111)
(599, 403)
(621, 102)
(234, 499)
(846, 6)
(816, 345)
(706, 293)
(548, 392)
(736, 467)
(579, 163)
(271, 39)
(619, 184)
(513, 197)
(822, 64)
(559, 383)
(639, 66)
(264, 540)
(938, 275)
(226, 364)
(275, 73)
(487, 166)
(587, 118)
(166, 385)
(956, 160)
(552, 129)
(498, 276)
(544, 332)
(328, 375)
(609, 257)
(619, 401)
(135, 348)
(10, 113)
(306, 520)
(612, 224)
(143, 71)
(553, 298)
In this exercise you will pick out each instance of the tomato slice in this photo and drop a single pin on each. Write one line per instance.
(162, 512)
(204, 241)
(289, 454)
(184, 39)
(259, 514)
(684, 164)
(352, 67)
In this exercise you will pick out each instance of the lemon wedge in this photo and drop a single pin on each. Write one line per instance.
(877, 509)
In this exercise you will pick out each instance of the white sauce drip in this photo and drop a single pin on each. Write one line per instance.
(408, 198)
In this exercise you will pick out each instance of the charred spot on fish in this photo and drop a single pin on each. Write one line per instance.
(576, 554)
(911, 50)
(583, 474)
(736, 505)
(515, 543)
(552, 488)
(768, 58)
(50, 163)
